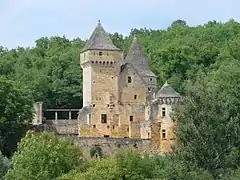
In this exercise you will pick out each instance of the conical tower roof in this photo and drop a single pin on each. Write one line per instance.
(100, 40)
(137, 59)
(167, 91)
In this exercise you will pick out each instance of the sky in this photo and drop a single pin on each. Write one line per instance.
(24, 21)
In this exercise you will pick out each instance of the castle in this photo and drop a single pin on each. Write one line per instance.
(120, 95)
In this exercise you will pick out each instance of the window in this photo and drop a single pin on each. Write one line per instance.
(100, 53)
(129, 79)
(135, 96)
(108, 127)
(149, 89)
(106, 136)
(164, 134)
(113, 127)
(163, 112)
(94, 126)
(103, 118)
(93, 105)
(131, 118)
(150, 79)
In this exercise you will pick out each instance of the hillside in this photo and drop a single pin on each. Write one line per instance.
(52, 73)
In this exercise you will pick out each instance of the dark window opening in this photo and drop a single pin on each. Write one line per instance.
(108, 127)
(125, 137)
(100, 53)
(100, 62)
(163, 112)
(94, 126)
(135, 96)
(92, 62)
(150, 79)
(119, 145)
(103, 118)
(112, 77)
(149, 89)
(96, 62)
(113, 127)
(106, 136)
(108, 105)
(93, 105)
(103, 62)
(129, 79)
(163, 134)
(131, 118)
(107, 62)
(111, 62)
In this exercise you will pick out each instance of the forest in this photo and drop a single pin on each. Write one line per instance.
(201, 62)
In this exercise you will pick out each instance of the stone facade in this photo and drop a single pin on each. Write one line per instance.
(120, 97)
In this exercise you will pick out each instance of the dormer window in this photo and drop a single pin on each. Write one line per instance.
(100, 53)
(129, 79)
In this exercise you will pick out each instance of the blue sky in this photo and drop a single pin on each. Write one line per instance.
(24, 21)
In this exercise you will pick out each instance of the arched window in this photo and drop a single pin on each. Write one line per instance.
(100, 53)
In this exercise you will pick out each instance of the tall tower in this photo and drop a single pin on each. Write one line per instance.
(99, 59)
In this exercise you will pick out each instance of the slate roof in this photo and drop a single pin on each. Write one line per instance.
(138, 60)
(167, 91)
(100, 40)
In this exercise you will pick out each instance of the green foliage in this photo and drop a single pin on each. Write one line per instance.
(96, 169)
(15, 114)
(43, 157)
(209, 120)
(177, 54)
(200, 62)
(4, 165)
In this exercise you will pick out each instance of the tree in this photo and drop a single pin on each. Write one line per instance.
(43, 156)
(209, 119)
(15, 114)
(4, 165)
(95, 169)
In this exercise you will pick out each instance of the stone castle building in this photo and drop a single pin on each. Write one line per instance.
(120, 95)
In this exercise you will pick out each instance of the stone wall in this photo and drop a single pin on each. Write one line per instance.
(68, 127)
(109, 146)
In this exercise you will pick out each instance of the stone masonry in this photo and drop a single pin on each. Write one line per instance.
(120, 96)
